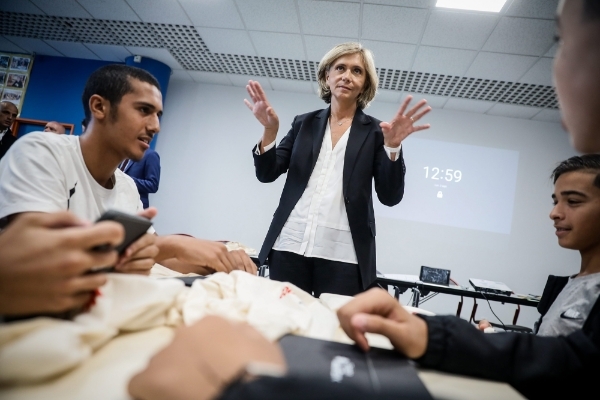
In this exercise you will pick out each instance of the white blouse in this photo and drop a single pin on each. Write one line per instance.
(318, 225)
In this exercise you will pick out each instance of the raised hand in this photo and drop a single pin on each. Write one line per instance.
(402, 125)
(260, 106)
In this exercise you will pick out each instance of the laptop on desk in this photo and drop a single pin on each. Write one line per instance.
(481, 285)
(377, 371)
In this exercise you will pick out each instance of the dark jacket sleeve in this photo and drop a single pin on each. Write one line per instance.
(389, 177)
(271, 164)
(149, 183)
(534, 365)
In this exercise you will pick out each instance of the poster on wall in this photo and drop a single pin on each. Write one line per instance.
(14, 77)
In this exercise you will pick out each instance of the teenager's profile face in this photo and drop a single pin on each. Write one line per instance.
(577, 75)
(135, 120)
(576, 213)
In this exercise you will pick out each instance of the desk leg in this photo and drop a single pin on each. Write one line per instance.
(416, 297)
(397, 293)
(517, 311)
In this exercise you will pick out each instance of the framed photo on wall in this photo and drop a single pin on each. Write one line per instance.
(20, 63)
(16, 81)
(14, 77)
(4, 61)
(14, 96)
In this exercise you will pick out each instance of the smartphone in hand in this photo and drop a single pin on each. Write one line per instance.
(135, 227)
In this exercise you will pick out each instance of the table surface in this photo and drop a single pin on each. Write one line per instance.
(458, 291)
(106, 374)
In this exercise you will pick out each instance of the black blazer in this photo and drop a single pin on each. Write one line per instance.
(7, 140)
(364, 160)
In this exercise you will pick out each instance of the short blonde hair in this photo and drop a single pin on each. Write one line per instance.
(371, 80)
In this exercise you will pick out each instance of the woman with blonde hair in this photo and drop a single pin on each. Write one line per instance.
(322, 236)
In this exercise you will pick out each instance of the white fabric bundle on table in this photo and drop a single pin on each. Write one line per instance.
(37, 349)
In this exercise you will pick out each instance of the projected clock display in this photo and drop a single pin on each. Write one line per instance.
(449, 175)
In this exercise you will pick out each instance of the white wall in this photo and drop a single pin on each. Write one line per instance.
(208, 189)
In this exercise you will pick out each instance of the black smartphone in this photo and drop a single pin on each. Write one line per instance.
(135, 227)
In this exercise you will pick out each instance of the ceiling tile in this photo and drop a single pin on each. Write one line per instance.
(391, 55)
(8, 46)
(37, 46)
(269, 15)
(109, 9)
(476, 106)
(510, 110)
(109, 52)
(318, 46)
(540, 73)
(521, 36)
(180, 75)
(227, 41)
(278, 45)
(242, 80)
(398, 24)
(63, 8)
(432, 100)
(211, 13)
(73, 49)
(21, 6)
(329, 18)
(210, 77)
(552, 52)
(405, 3)
(289, 85)
(439, 60)
(161, 12)
(548, 115)
(161, 55)
(533, 8)
(500, 67)
(458, 30)
(387, 96)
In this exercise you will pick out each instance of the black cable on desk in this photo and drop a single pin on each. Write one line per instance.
(489, 305)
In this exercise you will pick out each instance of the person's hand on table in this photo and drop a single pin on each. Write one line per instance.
(203, 359)
(376, 311)
(140, 256)
(402, 125)
(264, 113)
(44, 258)
(211, 255)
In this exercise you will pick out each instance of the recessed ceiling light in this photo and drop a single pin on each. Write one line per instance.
(473, 5)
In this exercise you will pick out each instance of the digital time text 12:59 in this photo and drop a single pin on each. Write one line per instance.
(449, 175)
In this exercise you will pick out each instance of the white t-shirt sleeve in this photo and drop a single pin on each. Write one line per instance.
(31, 178)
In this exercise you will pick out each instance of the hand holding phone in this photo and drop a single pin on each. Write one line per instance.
(135, 227)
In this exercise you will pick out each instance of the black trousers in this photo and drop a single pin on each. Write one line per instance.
(315, 275)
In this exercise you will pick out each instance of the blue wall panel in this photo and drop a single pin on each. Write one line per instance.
(56, 85)
(55, 88)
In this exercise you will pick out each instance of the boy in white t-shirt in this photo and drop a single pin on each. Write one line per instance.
(48, 173)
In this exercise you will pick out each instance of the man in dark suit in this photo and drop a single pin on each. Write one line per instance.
(8, 113)
(145, 173)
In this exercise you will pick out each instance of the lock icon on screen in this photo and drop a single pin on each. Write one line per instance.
(440, 195)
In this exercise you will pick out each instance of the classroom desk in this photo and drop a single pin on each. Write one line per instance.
(105, 375)
(419, 288)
